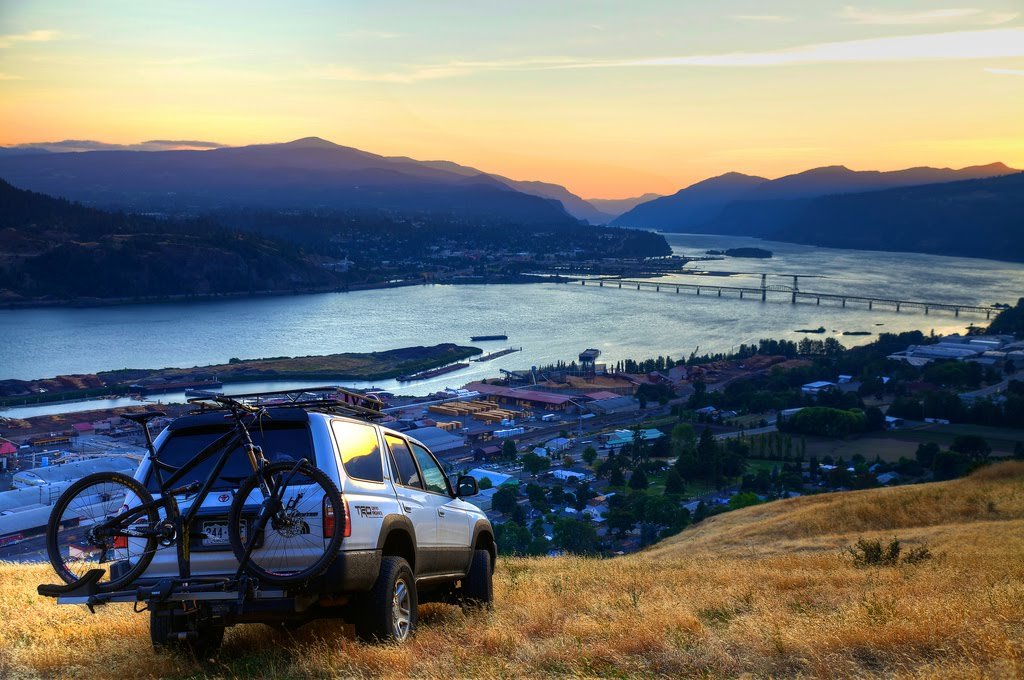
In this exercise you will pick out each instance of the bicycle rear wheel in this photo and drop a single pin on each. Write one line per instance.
(84, 531)
(292, 536)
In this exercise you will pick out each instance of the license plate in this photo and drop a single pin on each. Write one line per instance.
(216, 534)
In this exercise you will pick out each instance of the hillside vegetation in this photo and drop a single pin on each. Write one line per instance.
(52, 250)
(765, 591)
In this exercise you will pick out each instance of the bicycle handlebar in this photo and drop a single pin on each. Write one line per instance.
(235, 403)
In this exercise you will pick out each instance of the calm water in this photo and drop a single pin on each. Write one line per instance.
(550, 321)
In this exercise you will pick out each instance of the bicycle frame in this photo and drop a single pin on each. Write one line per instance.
(181, 523)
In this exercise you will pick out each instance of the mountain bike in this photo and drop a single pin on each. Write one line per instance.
(105, 528)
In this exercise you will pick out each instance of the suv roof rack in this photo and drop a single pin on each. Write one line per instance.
(329, 398)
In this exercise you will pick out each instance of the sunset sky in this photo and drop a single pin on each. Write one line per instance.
(611, 99)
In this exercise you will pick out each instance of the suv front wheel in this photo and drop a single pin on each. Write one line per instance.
(388, 612)
(478, 588)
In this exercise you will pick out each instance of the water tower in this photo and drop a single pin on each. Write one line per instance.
(588, 361)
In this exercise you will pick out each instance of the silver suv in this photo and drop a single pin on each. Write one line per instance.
(409, 537)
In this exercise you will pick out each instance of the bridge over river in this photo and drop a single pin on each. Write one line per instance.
(793, 292)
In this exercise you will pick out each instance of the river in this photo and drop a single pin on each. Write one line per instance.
(550, 322)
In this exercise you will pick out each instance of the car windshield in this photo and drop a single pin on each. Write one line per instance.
(279, 441)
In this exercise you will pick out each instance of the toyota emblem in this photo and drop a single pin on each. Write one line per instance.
(224, 497)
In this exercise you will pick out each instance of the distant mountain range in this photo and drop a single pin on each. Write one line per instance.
(617, 206)
(976, 211)
(312, 174)
(970, 218)
(735, 203)
(306, 173)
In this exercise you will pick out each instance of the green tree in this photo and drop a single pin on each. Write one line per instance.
(557, 494)
(508, 449)
(574, 536)
(950, 465)
(707, 447)
(674, 485)
(590, 455)
(538, 497)
(485, 483)
(513, 538)
(638, 480)
(504, 500)
(926, 453)
(975, 447)
(620, 517)
(616, 478)
(534, 464)
(639, 445)
(683, 438)
(743, 500)
(583, 494)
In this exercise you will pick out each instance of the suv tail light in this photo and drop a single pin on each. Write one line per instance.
(330, 521)
(120, 542)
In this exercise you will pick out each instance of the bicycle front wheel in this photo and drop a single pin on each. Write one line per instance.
(292, 535)
(89, 529)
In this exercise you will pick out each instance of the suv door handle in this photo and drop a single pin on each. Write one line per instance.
(440, 512)
(406, 508)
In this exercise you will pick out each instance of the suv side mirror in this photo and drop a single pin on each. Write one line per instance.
(466, 486)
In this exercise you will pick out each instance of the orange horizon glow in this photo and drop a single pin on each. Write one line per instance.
(610, 102)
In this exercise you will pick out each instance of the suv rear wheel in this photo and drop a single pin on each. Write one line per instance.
(388, 613)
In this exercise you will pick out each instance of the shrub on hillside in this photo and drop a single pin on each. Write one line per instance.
(871, 553)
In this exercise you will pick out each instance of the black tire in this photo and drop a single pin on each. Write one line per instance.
(284, 557)
(173, 632)
(392, 599)
(478, 587)
(85, 502)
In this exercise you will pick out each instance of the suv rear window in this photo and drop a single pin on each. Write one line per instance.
(281, 441)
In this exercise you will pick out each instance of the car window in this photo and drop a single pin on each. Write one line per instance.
(433, 475)
(281, 441)
(360, 452)
(408, 474)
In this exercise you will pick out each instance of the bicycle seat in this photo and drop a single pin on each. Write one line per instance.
(143, 418)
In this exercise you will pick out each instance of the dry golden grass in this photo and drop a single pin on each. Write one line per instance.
(759, 592)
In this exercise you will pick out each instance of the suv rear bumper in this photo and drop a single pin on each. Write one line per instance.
(352, 571)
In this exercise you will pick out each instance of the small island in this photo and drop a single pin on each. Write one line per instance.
(759, 253)
(348, 366)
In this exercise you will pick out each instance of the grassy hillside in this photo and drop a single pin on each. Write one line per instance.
(764, 591)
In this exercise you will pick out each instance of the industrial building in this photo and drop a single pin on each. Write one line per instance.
(496, 478)
(437, 439)
(987, 350)
(623, 437)
(532, 399)
(69, 472)
(613, 404)
(818, 386)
